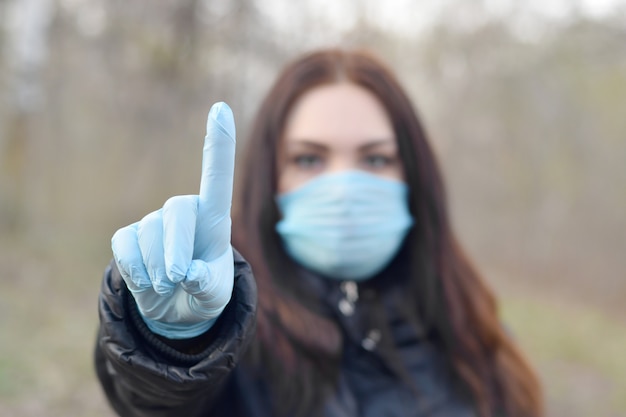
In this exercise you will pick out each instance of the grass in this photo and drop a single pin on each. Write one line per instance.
(47, 330)
(579, 351)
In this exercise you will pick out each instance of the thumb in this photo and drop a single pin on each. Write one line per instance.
(211, 284)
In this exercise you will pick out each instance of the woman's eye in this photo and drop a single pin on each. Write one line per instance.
(377, 161)
(307, 161)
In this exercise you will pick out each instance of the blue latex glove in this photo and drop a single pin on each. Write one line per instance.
(177, 261)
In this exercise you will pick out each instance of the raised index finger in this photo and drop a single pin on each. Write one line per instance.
(218, 166)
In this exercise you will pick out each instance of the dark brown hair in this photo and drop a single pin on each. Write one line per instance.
(444, 292)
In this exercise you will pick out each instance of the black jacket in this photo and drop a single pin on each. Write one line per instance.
(142, 376)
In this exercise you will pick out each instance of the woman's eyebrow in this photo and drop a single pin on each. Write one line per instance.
(377, 143)
(304, 143)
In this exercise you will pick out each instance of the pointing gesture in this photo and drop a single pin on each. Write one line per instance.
(177, 261)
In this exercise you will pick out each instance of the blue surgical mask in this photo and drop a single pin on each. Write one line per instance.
(346, 226)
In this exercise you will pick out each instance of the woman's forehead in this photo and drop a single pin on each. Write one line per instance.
(338, 113)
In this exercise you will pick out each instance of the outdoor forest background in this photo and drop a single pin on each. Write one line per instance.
(102, 115)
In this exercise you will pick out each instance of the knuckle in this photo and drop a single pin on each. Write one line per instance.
(138, 276)
(162, 289)
(150, 219)
(171, 202)
(121, 235)
(150, 228)
(123, 245)
(175, 273)
(181, 202)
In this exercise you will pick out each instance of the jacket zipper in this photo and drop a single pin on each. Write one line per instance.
(350, 292)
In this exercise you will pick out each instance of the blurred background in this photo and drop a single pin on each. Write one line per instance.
(102, 116)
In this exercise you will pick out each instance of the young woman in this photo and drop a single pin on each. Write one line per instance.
(363, 301)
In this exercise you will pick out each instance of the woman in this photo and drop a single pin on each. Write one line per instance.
(366, 304)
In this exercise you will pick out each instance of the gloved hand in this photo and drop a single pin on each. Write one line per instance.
(177, 261)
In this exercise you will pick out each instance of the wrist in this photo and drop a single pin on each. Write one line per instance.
(178, 331)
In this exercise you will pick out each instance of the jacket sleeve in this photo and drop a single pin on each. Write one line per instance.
(143, 376)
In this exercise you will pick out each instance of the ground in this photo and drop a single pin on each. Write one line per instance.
(48, 320)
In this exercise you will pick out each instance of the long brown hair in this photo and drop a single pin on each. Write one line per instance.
(444, 291)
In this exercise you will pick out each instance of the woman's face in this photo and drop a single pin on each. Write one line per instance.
(333, 128)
